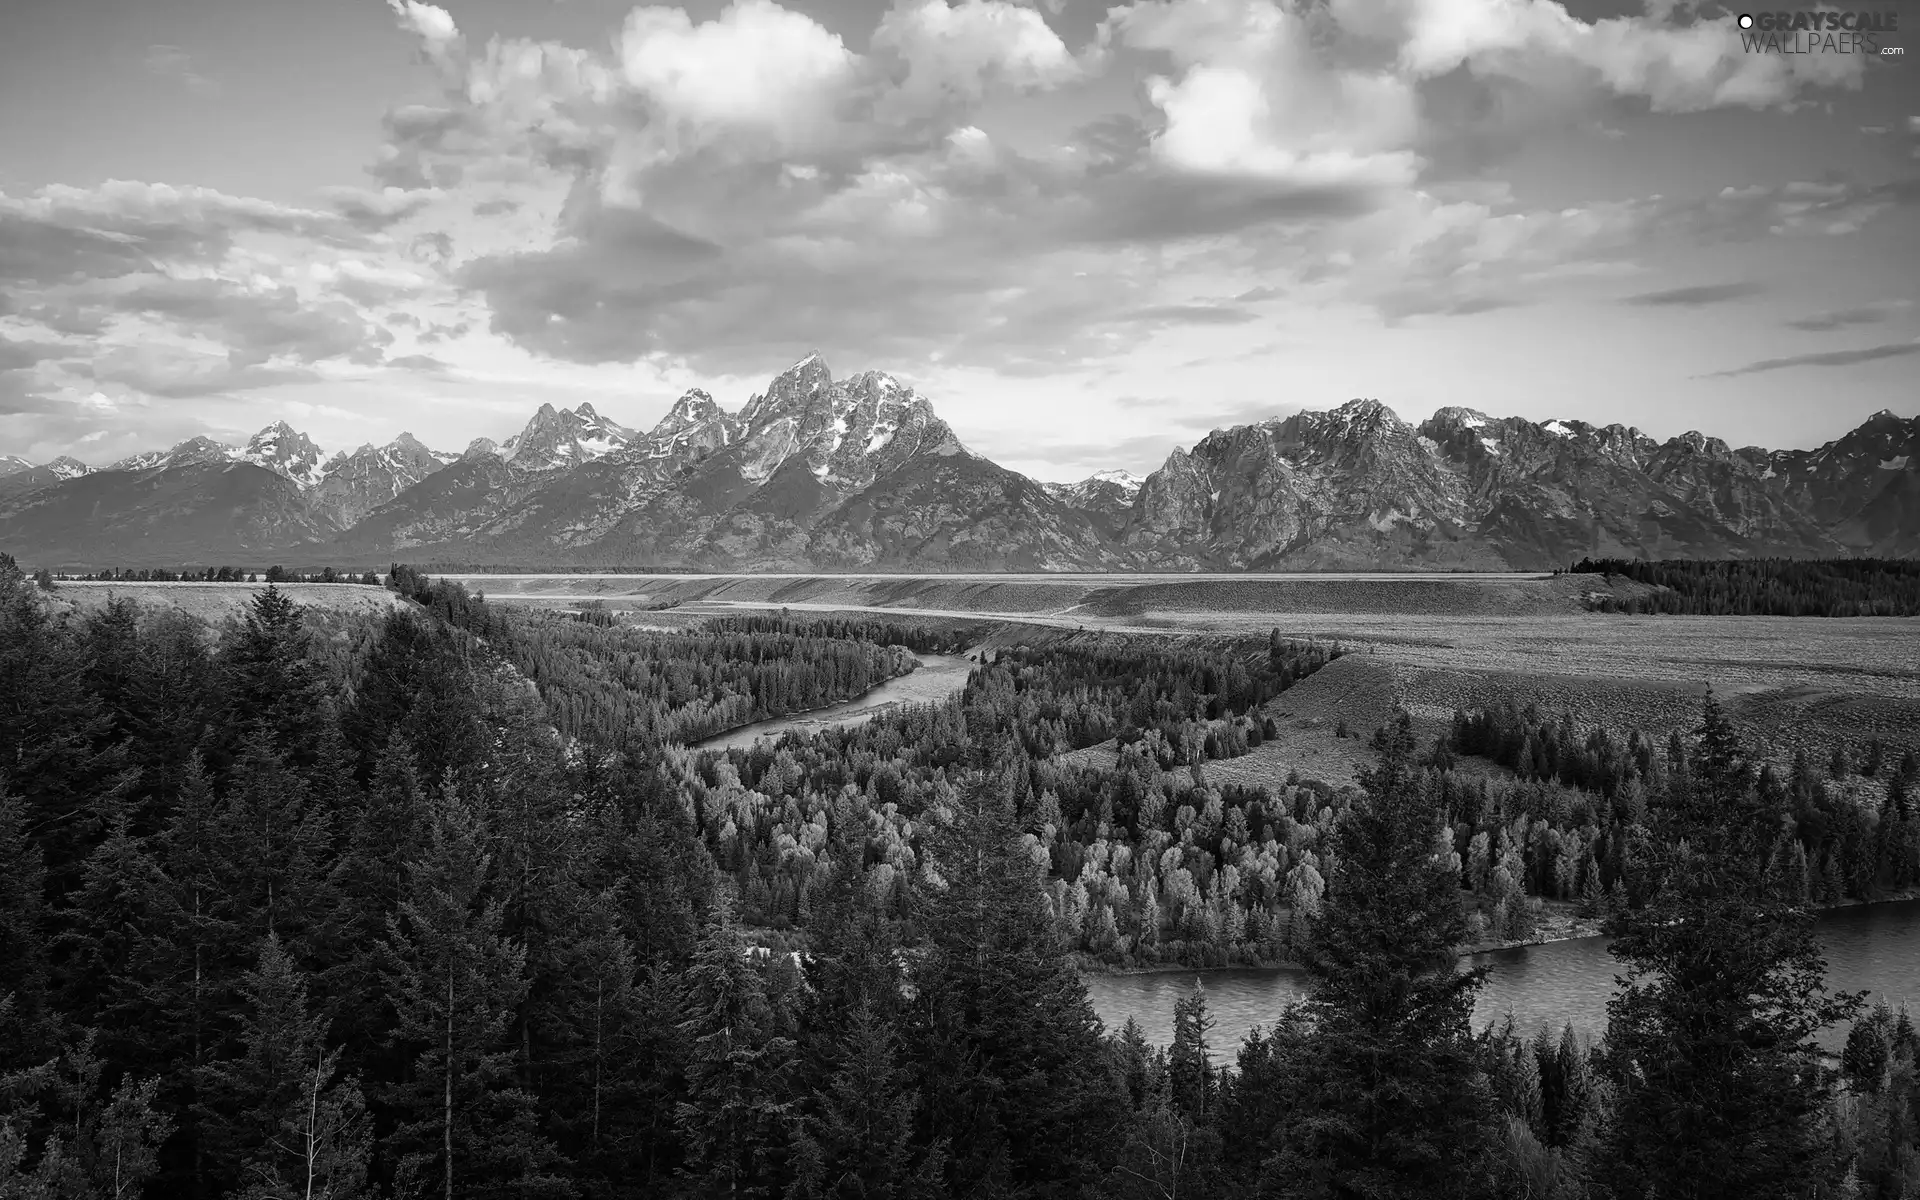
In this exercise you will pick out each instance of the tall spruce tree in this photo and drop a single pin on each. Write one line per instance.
(268, 675)
(28, 1021)
(1718, 1087)
(1389, 1100)
(736, 1118)
(858, 1117)
(1011, 1061)
(278, 1118)
(455, 983)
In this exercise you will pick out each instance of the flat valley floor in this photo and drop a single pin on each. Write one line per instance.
(1429, 642)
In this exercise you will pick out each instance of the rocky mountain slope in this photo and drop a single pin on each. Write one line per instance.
(862, 474)
(19, 475)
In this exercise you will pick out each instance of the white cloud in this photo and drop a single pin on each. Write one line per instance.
(756, 69)
(958, 51)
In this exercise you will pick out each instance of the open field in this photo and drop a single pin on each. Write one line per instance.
(214, 602)
(1075, 596)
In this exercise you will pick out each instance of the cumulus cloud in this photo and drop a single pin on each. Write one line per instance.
(749, 184)
(1676, 62)
(720, 193)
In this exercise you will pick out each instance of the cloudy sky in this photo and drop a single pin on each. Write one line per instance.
(1086, 232)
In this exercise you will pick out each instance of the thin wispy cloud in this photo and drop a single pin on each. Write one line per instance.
(171, 62)
(1827, 358)
(1695, 297)
(1865, 314)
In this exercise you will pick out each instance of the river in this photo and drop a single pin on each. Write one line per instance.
(937, 677)
(1873, 948)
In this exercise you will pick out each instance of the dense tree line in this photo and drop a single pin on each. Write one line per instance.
(1774, 587)
(1578, 828)
(221, 574)
(287, 915)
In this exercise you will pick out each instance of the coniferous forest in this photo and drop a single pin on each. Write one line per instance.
(440, 903)
(1772, 587)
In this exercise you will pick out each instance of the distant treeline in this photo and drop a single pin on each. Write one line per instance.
(1769, 587)
(921, 638)
(228, 574)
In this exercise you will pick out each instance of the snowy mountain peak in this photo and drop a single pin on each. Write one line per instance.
(1464, 418)
(695, 426)
(692, 409)
(194, 450)
(13, 464)
(68, 468)
(287, 453)
(564, 438)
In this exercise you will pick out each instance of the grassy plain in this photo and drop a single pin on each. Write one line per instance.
(215, 602)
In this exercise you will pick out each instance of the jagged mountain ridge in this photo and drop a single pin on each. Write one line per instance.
(812, 472)
(17, 475)
(861, 473)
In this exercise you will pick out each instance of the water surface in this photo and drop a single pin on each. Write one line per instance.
(1873, 948)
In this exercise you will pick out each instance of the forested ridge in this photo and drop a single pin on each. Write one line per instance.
(332, 908)
(1775, 587)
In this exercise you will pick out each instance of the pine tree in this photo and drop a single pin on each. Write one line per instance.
(55, 749)
(1190, 1073)
(278, 1118)
(455, 982)
(27, 1023)
(593, 1028)
(1718, 1089)
(1009, 1048)
(734, 1119)
(857, 1138)
(268, 675)
(272, 847)
(857, 1121)
(1388, 1100)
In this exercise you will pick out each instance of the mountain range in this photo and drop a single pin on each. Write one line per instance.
(861, 474)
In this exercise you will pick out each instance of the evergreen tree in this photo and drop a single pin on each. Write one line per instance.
(735, 1117)
(1388, 1100)
(271, 851)
(1010, 1053)
(1189, 1072)
(455, 982)
(55, 748)
(28, 1020)
(857, 1122)
(279, 1118)
(268, 675)
(1718, 1088)
(97, 1142)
